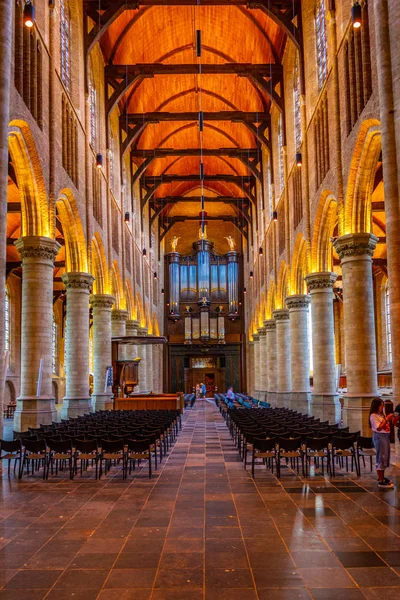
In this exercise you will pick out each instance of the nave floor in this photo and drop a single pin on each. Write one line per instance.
(201, 529)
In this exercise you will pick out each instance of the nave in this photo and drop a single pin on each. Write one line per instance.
(201, 528)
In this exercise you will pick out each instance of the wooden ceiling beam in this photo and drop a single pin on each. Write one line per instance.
(14, 207)
(121, 77)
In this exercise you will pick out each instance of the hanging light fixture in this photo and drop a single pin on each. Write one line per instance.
(260, 251)
(144, 252)
(275, 216)
(99, 161)
(299, 159)
(244, 290)
(29, 14)
(127, 217)
(155, 275)
(251, 274)
(162, 291)
(356, 15)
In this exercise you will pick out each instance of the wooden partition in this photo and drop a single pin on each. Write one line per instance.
(150, 402)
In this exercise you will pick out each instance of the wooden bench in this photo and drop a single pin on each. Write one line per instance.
(150, 402)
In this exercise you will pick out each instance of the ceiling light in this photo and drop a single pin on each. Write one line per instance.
(99, 161)
(356, 15)
(299, 159)
(29, 14)
(275, 216)
(127, 217)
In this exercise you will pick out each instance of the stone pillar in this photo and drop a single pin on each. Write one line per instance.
(142, 353)
(262, 332)
(270, 327)
(388, 85)
(256, 341)
(250, 369)
(355, 251)
(283, 368)
(325, 403)
(158, 368)
(77, 398)
(131, 350)
(35, 407)
(6, 45)
(149, 368)
(101, 304)
(299, 351)
(118, 328)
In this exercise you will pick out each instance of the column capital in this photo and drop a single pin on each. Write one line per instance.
(355, 244)
(76, 280)
(256, 337)
(132, 327)
(36, 246)
(143, 331)
(270, 324)
(102, 301)
(320, 281)
(119, 315)
(281, 314)
(251, 343)
(298, 301)
(262, 332)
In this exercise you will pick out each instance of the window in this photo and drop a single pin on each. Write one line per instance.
(280, 154)
(92, 102)
(321, 141)
(388, 325)
(296, 104)
(269, 184)
(310, 344)
(111, 157)
(321, 45)
(7, 320)
(65, 44)
(54, 346)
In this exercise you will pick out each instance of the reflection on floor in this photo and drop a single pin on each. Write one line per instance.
(200, 529)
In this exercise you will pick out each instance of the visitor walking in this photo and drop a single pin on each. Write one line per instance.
(380, 425)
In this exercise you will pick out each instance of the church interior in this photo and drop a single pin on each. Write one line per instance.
(200, 273)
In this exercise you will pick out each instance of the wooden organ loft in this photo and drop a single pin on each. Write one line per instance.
(204, 318)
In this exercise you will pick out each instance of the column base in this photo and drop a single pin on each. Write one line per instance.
(271, 398)
(356, 413)
(326, 407)
(300, 401)
(102, 402)
(282, 399)
(33, 412)
(74, 407)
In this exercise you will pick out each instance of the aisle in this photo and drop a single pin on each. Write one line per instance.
(200, 530)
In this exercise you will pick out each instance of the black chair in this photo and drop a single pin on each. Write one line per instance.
(86, 451)
(112, 450)
(317, 448)
(13, 451)
(265, 449)
(290, 449)
(343, 448)
(138, 450)
(60, 453)
(365, 447)
(35, 455)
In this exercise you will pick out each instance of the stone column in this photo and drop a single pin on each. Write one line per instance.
(283, 368)
(250, 369)
(118, 328)
(77, 398)
(101, 304)
(355, 251)
(325, 403)
(270, 327)
(262, 332)
(158, 368)
(142, 353)
(299, 351)
(131, 350)
(256, 341)
(6, 45)
(34, 406)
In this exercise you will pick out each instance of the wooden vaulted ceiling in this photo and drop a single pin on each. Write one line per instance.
(165, 33)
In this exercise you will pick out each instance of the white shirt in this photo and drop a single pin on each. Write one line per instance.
(376, 420)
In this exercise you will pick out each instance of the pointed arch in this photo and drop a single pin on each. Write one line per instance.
(358, 216)
(129, 300)
(117, 287)
(99, 268)
(325, 223)
(156, 327)
(282, 287)
(140, 311)
(299, 266)
(75, 243)
(31, 184)
(271, 296)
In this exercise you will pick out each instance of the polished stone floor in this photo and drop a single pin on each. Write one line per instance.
(200, 529)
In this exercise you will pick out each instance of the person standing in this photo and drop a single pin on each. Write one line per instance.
(203, 390)
(231, 397)
(380, 425)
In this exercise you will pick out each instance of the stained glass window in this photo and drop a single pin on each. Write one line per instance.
(54, 346)
(388, 325)
(65, 44)
(321, 43)
(296, 103)
(7, 320)
(280, 154)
